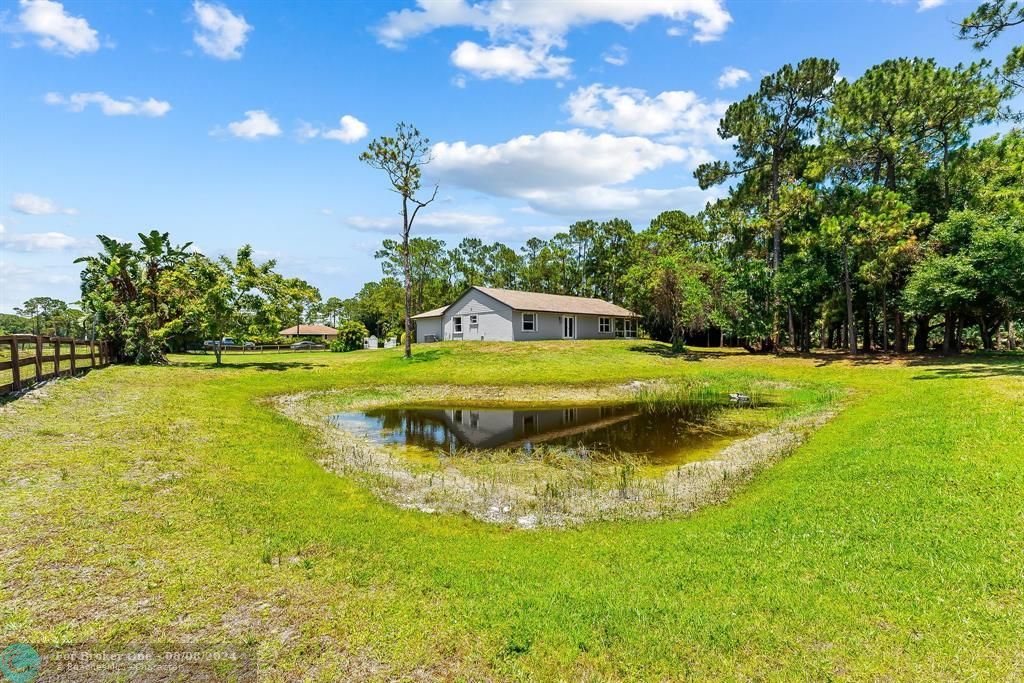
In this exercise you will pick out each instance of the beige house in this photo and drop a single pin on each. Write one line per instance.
(323, 331)
(490, 314)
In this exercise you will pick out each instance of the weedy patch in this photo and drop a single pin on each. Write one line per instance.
(553, 485)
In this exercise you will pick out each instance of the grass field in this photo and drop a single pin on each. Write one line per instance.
(175, 504)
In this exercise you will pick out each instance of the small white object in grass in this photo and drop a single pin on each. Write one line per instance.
(739, 398)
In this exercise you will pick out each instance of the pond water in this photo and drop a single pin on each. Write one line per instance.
(666, 436)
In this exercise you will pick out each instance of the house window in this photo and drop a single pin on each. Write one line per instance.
(529, 322)
(604, 325)
(457, 324)
(472, 320)
(625, 327)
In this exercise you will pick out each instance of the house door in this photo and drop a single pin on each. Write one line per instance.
(568, 327)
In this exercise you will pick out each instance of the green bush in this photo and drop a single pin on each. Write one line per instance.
(350, 336)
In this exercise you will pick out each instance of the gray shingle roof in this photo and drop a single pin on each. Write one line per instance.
(545, 303)
(437, 312)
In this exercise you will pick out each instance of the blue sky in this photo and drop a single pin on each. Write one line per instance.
(241, 122)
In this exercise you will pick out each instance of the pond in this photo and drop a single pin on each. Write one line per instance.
(662, 436)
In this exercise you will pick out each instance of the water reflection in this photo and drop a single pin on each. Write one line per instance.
(664, 436)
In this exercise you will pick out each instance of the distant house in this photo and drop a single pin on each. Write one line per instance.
(323, 331)
(489, 314)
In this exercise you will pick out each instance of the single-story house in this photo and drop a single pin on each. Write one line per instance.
(323, 331)
(487, 313)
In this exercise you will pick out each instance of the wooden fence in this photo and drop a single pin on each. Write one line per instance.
(33, 359)
(238, 348)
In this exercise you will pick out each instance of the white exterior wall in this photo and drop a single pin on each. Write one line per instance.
(498, 322)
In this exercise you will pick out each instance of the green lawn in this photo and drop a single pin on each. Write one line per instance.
(175, 504)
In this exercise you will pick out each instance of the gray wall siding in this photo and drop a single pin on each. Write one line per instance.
(549, 326)
(497, 322)
(426, 327)
(494, 319)
(588, 327)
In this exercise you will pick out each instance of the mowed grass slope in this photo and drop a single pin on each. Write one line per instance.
(174, 504)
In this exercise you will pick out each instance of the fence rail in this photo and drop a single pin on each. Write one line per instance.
(238, 348)
(45, 358)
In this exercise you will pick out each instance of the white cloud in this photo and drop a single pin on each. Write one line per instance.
(553, 160)
(523, 33)
(552, 19)
(441, 221)
(453, 220)
(565, 172)
(674, 32)
(682, 113)
(372, 224)
(38, 241)
(514, 62)
(19, 283)
(222, 34)
(306, 131)
(617, 55)
(57, 30)
(484, 226)
(925, 5)
(732, 76)
(350, 130)
(129, 106)
(34, 205)
(635, 201)
(256, 124)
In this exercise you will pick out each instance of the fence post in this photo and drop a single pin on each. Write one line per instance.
(15, 368)
(92, 354)
(73, 352)
(56, 356)
(39, 359)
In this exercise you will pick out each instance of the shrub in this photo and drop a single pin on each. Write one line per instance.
(350, 336)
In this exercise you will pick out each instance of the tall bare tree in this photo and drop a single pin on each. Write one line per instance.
(402, 158)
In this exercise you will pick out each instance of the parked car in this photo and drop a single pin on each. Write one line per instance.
(226, 341)
(305, 344)
(248, 345)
